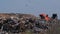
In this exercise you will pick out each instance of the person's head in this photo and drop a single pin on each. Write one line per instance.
(42, 16)
(46, 15)
(54, 16)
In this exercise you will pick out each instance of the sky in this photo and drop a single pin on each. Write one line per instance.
(34, 7)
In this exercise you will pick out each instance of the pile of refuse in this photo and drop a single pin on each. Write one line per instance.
(21, 24)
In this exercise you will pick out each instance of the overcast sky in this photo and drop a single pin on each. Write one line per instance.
(35, 7)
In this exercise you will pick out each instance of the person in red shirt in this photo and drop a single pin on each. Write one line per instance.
(45, 17)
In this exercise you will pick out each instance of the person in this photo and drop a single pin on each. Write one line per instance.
(54, 16)
(44, 17)
(47, 18)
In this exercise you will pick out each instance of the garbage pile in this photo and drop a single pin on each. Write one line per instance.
(16, 24)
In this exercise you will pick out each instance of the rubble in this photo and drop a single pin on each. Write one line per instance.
(15, 24)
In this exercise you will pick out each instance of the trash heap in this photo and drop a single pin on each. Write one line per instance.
(22, 24)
